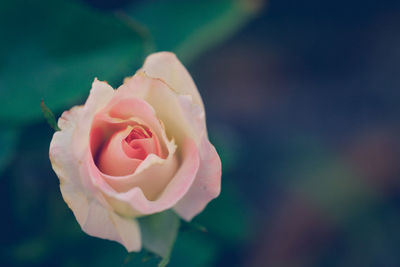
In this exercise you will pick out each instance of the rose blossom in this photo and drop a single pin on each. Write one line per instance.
(137, 150)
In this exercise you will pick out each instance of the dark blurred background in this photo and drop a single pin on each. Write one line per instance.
(302, 101)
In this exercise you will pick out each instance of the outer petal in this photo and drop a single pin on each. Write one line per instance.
(91, 211)
(100, 95)
(167, 67)
(206, 186)
(106, 224)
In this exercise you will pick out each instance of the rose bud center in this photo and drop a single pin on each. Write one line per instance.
(139, 143)
(123, 152)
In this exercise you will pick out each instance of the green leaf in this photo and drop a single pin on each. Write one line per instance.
(49, 116)
(159, 232)
(54, 50)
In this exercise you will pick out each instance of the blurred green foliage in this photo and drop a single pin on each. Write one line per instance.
(54, 50)
(8, 141)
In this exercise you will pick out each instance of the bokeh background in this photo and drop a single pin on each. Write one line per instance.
(302, 101)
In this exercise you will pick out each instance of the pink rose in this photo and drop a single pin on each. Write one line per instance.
(137, 150)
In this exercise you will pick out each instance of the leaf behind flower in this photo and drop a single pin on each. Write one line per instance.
(159, 232)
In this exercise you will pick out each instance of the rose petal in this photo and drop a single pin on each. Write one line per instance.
(100, 94)
(152, 175)
(106, 224)
(206, 186)
(140, 148)
(113, 160)
(122, 112)
(167, 67)
(165, 103)
(90, 211)
(134, 202)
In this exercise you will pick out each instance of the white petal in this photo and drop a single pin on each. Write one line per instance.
(167, 67)
(165, 103)
(90, 209)
(100, 95)
(206, 186)
(104, 223)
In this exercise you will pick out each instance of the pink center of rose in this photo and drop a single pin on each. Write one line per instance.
(125, 149)
(140, 143)
(138, 132)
